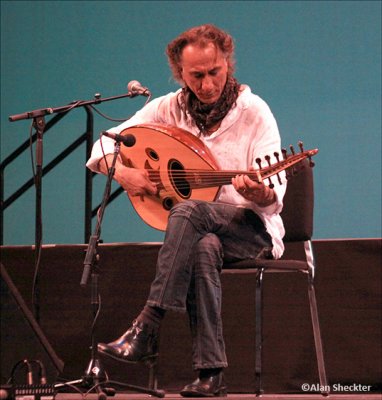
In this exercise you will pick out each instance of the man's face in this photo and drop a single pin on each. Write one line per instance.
(204, 71)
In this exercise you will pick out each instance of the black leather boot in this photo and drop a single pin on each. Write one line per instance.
(213, 386)
(137, 344)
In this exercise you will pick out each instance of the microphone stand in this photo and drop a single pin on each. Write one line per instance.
(75, 104)
(95, 375)
(38, 117)
(39, 125)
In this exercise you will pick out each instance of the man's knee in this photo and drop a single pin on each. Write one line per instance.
(208, 253)
(184, 207)
(209, 243)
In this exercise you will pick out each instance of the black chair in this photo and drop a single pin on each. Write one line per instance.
(297, 215)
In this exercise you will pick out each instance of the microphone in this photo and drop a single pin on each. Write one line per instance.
(137, 89)
(127, 140)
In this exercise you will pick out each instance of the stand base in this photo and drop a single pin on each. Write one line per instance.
(96, 379)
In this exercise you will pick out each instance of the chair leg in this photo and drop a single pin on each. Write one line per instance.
(153, 376)
(324, 388)
(258, 331)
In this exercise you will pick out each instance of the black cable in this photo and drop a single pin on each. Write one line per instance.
(116, 119)
(25, 363)
(42, 371)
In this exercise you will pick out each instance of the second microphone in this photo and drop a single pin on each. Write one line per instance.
(127, 140)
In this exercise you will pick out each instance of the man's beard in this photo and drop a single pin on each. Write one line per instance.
(206, 116)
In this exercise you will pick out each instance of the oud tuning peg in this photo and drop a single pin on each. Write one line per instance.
(284, 153)
(277, 156)
(268, 160)
(301, 146)
(258, 162)
(311, 162)
(291, 149)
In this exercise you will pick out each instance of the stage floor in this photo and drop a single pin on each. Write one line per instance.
(170, 396)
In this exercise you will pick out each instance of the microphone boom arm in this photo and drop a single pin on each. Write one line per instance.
(81, 103)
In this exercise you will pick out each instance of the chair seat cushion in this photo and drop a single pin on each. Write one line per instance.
(274, 265)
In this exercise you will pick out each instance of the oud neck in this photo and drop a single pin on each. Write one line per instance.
(219, 178)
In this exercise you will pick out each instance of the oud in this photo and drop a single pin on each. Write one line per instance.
(183, 168)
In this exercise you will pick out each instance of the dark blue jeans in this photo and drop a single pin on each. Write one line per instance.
(199, 237)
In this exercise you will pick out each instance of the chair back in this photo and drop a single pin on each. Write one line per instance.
(297, 212)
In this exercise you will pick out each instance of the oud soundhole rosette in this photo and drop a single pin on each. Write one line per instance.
(152, 154)
(178, 178)
(168, 203)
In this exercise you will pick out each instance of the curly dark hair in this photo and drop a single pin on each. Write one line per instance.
(201, 35)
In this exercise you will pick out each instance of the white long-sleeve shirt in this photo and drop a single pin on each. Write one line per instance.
(247, 132)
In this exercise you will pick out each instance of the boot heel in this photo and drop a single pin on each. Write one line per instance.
(221, 393)
(213, 386)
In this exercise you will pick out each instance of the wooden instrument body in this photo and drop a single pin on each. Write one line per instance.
(183, 168)
(161, 150)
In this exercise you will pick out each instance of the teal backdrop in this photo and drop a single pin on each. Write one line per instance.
(316, 63)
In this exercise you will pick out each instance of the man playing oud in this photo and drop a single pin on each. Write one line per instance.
(242, 222)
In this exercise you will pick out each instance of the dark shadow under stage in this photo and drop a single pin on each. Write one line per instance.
(123, 396)
(348, 285)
